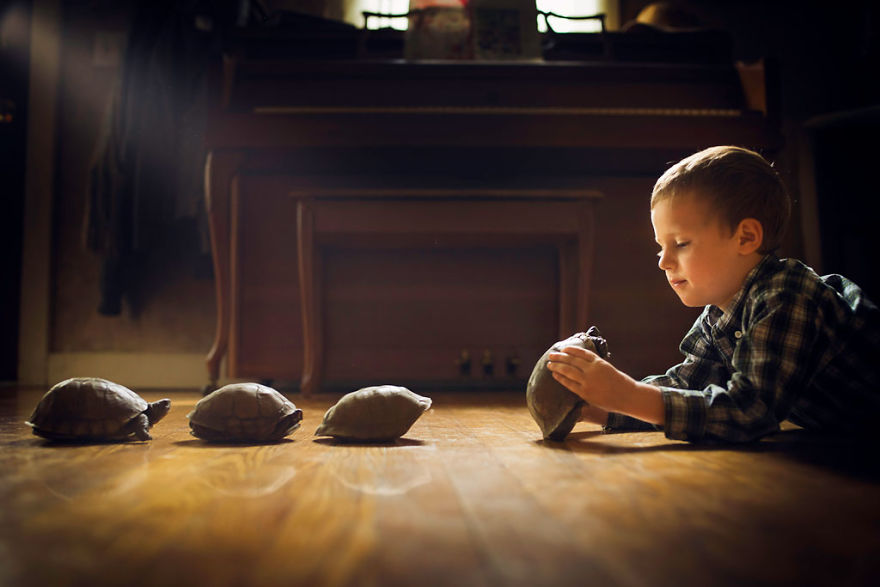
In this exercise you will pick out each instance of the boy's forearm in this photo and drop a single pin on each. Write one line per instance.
(641, 401)
(591, 413)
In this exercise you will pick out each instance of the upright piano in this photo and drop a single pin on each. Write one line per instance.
(439, 224)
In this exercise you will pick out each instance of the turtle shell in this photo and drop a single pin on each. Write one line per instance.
(553, 407)
(90, 408)
(244, 412)
(379, 413)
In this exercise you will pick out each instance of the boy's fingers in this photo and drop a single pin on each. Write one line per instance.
(570, 371)
(570, 384)
(572, 353)
(579, 352)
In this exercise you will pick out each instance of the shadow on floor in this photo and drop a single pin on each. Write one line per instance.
(857, 457)
(344, 442)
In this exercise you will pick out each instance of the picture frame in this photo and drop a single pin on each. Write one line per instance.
(505, 30)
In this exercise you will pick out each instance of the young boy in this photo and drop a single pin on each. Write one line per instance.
(775, 341)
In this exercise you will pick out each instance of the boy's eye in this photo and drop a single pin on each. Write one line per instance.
(682, 244)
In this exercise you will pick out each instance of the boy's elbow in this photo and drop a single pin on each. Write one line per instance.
(743, 431)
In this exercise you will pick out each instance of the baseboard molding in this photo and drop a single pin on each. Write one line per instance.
(135, 370)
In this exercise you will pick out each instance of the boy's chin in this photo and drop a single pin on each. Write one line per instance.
(690, 302)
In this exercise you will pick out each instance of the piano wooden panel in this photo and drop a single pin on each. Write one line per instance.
(476, 264)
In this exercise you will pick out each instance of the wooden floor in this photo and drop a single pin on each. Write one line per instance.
(471, 496)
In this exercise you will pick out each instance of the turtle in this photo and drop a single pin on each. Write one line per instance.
(553, 407)
(244, 412)
(95, 409)
(379, 413)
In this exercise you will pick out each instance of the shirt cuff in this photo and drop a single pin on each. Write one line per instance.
(685, 414)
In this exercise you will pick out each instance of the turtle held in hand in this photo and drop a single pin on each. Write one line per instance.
(380, 413)
(244, 412)
(94, 409)
(555, 408)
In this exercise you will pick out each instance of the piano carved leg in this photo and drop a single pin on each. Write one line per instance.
(310, 381)
(220, 169)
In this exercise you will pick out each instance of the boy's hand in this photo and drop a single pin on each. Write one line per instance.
(600, 384)
(586, 374)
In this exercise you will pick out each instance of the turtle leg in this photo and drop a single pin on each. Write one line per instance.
(139, 426)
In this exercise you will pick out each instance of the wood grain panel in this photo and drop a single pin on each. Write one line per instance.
(370, 129)
(266, 338)
(410, 312)
(470, 496)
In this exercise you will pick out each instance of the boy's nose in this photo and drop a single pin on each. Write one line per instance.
(663, 262)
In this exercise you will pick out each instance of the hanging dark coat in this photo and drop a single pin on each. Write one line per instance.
(149, 162)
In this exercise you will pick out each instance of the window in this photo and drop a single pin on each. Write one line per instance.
(564, 7)
(571, 8)
(386, 7)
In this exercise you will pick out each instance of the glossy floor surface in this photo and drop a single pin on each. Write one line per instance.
(470, 496)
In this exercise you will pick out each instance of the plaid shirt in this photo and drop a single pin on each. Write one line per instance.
(793, 346)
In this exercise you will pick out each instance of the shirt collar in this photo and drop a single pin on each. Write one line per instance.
(730, 321)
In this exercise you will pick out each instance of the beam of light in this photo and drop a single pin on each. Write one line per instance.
(45, 41)
(45, 44)
(13, 26)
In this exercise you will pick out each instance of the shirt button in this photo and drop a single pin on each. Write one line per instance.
(738, 334)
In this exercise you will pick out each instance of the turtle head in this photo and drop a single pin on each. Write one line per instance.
(288, 424)
(157, 410)
(600, 345)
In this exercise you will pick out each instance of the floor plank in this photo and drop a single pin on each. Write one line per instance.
(470, 496)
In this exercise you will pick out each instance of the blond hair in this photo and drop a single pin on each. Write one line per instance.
(736, 183)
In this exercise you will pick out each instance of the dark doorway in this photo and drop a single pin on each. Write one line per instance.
(844, 155)
(14, 59)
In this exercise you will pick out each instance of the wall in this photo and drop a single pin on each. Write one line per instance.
(14, 52)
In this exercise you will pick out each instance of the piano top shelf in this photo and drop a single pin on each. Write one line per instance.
(284, 99)
(268, 85)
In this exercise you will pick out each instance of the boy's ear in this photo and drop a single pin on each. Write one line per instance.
(749, 235)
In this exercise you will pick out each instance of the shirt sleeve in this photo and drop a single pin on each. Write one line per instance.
(771, 363)
(701, 365)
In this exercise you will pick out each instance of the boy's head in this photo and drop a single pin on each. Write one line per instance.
(736, 184)
(715, 215)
